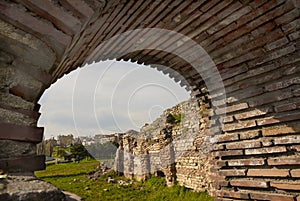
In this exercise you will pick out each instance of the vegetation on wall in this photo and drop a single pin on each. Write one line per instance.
(174, 118)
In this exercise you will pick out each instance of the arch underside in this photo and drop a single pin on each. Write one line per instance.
(254, 45)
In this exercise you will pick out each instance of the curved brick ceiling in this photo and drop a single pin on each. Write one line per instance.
(232, 32)
(254, 44)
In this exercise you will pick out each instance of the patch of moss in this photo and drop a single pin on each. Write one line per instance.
(174, 118)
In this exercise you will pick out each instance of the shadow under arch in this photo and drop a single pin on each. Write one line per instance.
(255, 55)
(151, 38)
(184, 48)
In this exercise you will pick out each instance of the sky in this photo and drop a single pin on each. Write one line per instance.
(107, 97)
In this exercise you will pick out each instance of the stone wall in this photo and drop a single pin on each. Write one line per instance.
(173, 145)
(253, 44)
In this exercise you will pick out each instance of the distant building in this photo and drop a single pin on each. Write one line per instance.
(46, 147)
(104, 138)
(86, 140)
(49, 144)
(65, 140)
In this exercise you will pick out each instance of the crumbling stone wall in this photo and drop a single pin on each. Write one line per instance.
(170, 146)
(254, 45)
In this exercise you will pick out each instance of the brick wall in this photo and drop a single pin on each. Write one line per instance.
(254, 44)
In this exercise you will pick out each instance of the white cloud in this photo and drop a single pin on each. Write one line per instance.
(107, 97)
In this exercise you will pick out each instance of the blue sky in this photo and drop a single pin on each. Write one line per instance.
(107, 97)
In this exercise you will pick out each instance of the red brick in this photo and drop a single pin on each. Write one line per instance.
(250, 25)
(247, 162)
(294, 36)
(260, 7)
(286, 107)
(232, 194)
(237, 107)
(295, 147)
(234, 172)
(216, 199)
(255, 73)
(267, 120)
(228, 119)
(276, 44)
(273, 55)
(268, 173)
(256, 80)
(253, 113)
(228, 137)
(263, 40)
(249, 135)
(282, 84)
(265, 150)
(244, 58)
(278, 130)
(295, 173)
(251, 90)
(229, 19)
(229, 153)
(249, 183)
(292, 26)
(279, 11)
(271, 196)
(263, 29)
(296, 92)
(270, 97)
(279, 118)
(78, 7)
(288, 17)
(240, 125)
(232, 72)
(63, 20)
(257, 4)
(286, 186)
(267, 142)
(291, 70)
(243, 145)
(284, 161)
(208, 5)
(287, 140)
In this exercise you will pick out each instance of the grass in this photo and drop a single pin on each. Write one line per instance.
(71, 177)
(67, 169)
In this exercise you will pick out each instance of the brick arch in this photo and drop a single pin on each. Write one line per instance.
(255, 45)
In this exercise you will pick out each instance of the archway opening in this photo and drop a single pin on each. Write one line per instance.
(102, 104)
(107, 97)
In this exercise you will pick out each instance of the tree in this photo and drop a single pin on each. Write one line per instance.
(79, 152)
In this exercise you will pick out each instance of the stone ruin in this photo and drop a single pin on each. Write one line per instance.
(174, 146)
(254, 46)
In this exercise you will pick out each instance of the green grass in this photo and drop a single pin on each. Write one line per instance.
(71, 177)
(67, 169)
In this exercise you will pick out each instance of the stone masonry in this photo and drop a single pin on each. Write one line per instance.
(254, 45)
(174, 147)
